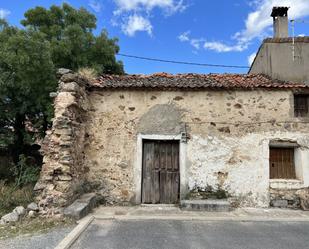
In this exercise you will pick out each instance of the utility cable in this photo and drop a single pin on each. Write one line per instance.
(181, 62)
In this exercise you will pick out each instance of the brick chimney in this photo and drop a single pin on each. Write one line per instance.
(280, 16)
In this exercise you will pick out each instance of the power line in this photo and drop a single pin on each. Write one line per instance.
(182, 62)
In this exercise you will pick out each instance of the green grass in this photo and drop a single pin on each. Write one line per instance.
(12, 196)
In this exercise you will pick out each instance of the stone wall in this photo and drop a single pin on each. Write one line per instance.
(96, 134)
(228, 138)
(63, 173)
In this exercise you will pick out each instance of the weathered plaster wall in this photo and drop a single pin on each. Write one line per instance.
(228, 145)
(276, 60)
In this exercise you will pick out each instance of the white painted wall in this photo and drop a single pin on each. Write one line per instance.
(245, 161)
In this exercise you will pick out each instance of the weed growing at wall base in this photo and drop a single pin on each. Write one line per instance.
(12, 196)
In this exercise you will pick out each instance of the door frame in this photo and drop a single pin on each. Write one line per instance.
(139, 163)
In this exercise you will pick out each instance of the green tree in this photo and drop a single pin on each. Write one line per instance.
(27, 76)
(60, 36)
(73, 44)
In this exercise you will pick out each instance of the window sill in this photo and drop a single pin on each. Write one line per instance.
(302, 119)
(286, 183)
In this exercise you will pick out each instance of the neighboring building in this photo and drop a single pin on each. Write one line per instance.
(283, 57)
(155, 139)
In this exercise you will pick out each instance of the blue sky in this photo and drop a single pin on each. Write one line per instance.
(202, 31)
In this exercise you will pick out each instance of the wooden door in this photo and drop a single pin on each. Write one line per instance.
(160, 181)
(281, 162)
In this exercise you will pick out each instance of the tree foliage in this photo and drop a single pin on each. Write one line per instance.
(27, 75)
(73, 44)
(58, 37)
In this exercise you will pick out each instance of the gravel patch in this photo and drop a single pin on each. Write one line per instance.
(47, 240)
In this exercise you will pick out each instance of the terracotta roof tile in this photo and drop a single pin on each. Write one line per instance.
(190, 81)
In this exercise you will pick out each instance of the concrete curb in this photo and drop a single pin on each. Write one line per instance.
(68, 241)
(201, 218)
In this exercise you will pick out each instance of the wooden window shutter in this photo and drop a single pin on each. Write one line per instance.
(281, 162)
(301, 105)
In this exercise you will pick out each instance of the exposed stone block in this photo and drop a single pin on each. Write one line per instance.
(65, 178)
(69, 77)
(81, 207)
(206, 205)
(63, 186)
(33, 206)
(70, 87)
(62, 71)
(303, 194)
(279, 203)
(65, 131)
(10, 217)
(39, 186)
(47, 177)
(20, 210)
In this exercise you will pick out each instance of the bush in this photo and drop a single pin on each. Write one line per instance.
(25, 173)
(12, 196)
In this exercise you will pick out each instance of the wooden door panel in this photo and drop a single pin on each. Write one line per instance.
(169, 164)
(175, 156)
(157, 156)
(155, 187)
(160, 183)
(175, 187)
(147, 168)
(162, 156)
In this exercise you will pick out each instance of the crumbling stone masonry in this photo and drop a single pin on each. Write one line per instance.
(225, 125)
(63, 175)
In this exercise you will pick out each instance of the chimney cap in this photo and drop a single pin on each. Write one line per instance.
(279, 11)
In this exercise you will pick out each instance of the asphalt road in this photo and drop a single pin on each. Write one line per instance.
(144, 234)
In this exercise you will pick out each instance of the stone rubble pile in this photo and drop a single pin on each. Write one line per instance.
(290, 198)
(20, 212)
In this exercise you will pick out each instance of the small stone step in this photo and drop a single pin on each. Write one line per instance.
(210, 205)
(81, 207)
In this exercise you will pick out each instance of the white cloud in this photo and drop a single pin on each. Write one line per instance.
(136, 23)
(135, 15)
(4, 13)
(214, 45)
(259, 20)
(257, 24)
(95, 5)
(170, 6)
(196, 43)
(251, 58)
(184, 36)
(221, 47)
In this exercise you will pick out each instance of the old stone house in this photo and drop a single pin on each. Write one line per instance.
(153, 139)
(158, 138)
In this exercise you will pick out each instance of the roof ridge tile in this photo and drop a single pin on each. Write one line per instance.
(164, 80)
